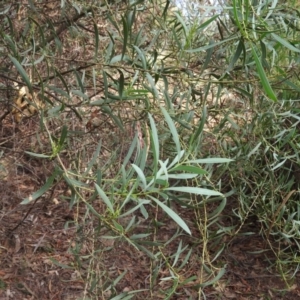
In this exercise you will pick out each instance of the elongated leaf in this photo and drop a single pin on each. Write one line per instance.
(176, 159)
(236, 55)
(121, 84)
(5, 9)
(125, 36)
(41, 30)
(22, 72)
(117, 119)
(59, 91)
(141, 56)
(164, 14)
(203, 48)
(130, 21)
(154, 140)
(105, 199)
(73, 182)
(80, 94)
(212, 160)
(57, 263)
(216, 279)
(63, 136)
(153, 89)
(173, 130)
(43, 189)
(37, 154)
(254, 149)
(191, 169)
(206, 23)
(284, 43)
(172, 214)
(194, 190)
(140, 174)
(80, 82)
(263, 77)
(183, 23)
(96, 39)
(119, 58)
(178, 176)
(92, 162)
(218, 210)
(140, 203)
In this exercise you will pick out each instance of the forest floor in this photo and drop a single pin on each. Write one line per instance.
(43, 255)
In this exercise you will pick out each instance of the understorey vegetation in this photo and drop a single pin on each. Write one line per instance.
(149, 151)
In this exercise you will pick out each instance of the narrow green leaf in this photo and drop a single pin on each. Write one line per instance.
(254, 149)
(41, 30)
(105, 82)
(154, 141)
(37, 154)
(59, 91)
(285, 43)
(173, 130)
(105, 199)
(5, 9)
(125, 36)
(191, 169)
(213, 45)
(176, 159)
(212, 160)
(80, 94)
(63, 135)
(140, 175)
(164, 14)
(96, 39)
(218, 210)
(22, 72)
(80, 82)
(141, 56)
(63, 266)
(73, 182)
(216, 279)
(140, 203)
(236, 55)
(206, 23)
(130, 20)
(43, 189)
(178, 176)
(121, 84)
(195, 136)
(118, 121)
(182, 22)
(236, 13)
(172, 214)
(63, 82)
(208, 57)
(194, 190)
(119, 58)
(262, 75)
(95, 156)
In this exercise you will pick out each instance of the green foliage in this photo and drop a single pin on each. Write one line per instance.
(140, 113)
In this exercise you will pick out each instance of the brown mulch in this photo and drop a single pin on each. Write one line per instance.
(45, 252)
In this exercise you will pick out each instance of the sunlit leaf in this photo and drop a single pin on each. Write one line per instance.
(194, 190)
